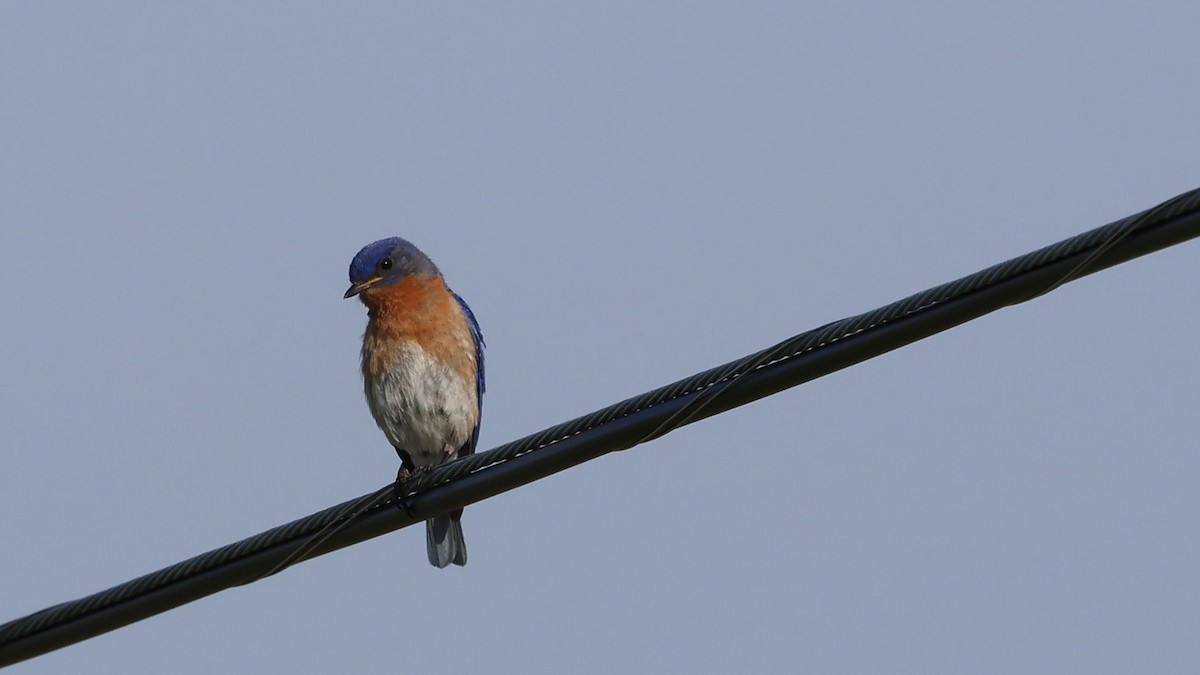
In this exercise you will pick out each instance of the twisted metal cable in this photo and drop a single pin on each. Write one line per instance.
(1099, 240)
(307, 536)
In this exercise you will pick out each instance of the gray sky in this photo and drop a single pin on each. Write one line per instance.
(625, 194)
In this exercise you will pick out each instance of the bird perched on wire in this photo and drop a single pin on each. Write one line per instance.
(422, 366)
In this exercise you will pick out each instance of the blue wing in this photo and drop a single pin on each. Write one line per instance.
(477, 338)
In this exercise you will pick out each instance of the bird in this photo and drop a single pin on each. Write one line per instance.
(422, 369)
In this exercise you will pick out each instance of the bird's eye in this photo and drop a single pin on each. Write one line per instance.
(385, 264)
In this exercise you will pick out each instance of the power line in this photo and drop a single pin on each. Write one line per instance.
(623, 425)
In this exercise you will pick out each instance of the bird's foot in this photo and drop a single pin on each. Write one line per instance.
(409, 480)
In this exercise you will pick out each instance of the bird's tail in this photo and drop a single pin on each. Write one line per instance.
(444, 540)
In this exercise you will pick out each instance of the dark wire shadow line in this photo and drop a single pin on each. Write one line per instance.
(794, 361)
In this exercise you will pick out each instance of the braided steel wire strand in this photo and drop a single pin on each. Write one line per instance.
(650, 415)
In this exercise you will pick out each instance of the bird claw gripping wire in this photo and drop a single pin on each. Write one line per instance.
(825, 350)
(409, 480)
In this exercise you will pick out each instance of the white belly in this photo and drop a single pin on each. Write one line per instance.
(423, 407)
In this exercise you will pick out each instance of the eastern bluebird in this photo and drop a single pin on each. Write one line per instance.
(422, 366)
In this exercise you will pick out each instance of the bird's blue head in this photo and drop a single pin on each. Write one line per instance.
(387, 262)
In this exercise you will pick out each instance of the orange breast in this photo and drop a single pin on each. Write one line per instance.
(420, 310)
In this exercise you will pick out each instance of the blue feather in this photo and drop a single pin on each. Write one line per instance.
(406, 258)
(477, 338)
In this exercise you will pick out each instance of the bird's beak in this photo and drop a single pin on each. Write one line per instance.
(355, 289)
